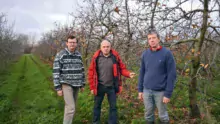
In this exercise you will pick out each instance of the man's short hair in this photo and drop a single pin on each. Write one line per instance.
(71, 37)
(153, 31)
(106, 39)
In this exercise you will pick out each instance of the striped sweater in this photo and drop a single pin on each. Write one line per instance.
(68, 68)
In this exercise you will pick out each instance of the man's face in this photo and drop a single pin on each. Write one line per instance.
(105, 48)
(153, 40)
(71, 44)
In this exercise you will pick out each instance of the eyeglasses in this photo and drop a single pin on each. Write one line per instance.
(72, 42)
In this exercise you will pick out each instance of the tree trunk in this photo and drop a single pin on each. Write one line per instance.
(194, 110)
(128, 44)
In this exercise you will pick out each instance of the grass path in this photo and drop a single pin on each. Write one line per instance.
(27, 97)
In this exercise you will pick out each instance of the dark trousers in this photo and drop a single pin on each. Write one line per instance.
(111, 95)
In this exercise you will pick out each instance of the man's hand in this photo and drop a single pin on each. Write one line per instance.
(82, 89)
(140, 96)
(132, 74)
(92, 92)
(166, 100)
(60, 93)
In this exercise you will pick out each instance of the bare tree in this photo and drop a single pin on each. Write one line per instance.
(10, 43)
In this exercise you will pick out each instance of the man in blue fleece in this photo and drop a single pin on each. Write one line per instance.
(156, 79)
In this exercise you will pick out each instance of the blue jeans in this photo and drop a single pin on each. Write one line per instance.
(154, 99)
(111, 95)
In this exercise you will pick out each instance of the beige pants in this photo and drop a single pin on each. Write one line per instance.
(70, 95)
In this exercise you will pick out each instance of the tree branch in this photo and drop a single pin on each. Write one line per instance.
(153, 14)
(214, 28)
(210, 40)
(184, 41)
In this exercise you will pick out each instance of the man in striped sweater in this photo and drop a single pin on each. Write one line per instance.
(69, 77)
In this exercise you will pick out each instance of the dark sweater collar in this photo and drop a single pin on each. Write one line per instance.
(102, 55)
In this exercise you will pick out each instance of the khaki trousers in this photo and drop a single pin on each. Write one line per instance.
(70, 95)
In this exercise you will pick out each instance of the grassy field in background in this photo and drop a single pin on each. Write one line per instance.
(27, 97)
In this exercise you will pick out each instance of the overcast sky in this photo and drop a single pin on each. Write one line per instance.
(37, 16)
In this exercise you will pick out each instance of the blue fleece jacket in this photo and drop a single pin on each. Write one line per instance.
(157, 71)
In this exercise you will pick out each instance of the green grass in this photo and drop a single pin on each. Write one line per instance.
(27, 97)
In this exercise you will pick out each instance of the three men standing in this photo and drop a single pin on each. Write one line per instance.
(155, 83)
(156, 79)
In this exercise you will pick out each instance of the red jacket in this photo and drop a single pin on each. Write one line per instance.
(119, 69)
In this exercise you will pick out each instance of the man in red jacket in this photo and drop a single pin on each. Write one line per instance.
(104, 76)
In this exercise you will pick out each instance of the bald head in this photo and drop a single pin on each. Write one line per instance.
(105, 47)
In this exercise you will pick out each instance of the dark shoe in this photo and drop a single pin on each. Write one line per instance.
(164, 122)
(95, 123)
(149, 122)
